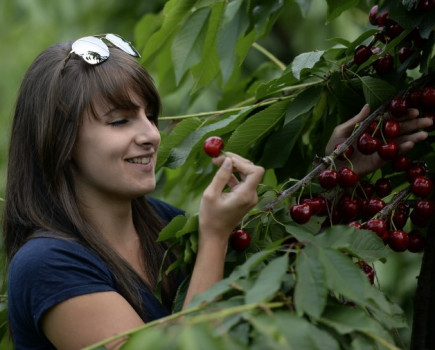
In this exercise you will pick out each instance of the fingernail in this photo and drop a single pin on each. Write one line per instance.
(228, 163)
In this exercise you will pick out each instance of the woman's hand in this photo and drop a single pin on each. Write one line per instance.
(220, 212)
(410, 125)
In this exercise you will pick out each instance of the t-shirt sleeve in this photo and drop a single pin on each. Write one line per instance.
(164, 210)
(47, 271)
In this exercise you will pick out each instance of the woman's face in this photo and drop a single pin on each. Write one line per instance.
(115, 154)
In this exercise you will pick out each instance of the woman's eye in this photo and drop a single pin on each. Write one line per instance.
(118, 122)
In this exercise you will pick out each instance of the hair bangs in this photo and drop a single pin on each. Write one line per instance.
(117, 79)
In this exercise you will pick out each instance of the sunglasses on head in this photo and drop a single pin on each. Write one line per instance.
(94, 49)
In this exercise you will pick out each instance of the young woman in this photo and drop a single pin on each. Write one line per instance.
(79, 227)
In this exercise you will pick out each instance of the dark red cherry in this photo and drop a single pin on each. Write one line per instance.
(383, 187)
(389, 150)
(328, 178)
(367, 144)
(346, 154)
(415, 99)
(391, 129)
(378, 226)
(398, 240)
(425, 209)
(301, 213)
(398, 107)
(421, 186)
(365, 189)
(428, 97)
(347, 177)
(384, 64)
(398, 220)
(416, 241)
(240, 239)
(401, 163)
(368, 270)
(213, 146)
(414, 170)
(362, 54)
(373, 15)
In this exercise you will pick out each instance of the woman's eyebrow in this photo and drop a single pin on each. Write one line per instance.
(132, 107)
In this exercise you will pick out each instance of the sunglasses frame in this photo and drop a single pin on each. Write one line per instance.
(95, 49)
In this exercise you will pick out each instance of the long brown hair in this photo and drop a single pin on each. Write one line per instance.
(40, 194)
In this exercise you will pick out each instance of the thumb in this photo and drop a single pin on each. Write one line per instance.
(222, 177)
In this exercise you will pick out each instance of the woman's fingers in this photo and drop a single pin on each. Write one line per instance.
(411, 125)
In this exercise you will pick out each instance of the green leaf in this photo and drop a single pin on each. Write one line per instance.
(151, 338)
(171, 229)
(268, 282)
(193, 142)
(173, 15)
(287, 331)
(303, 103)
(342, 276)
(305, 61)
(337, 7)
(178, 134)
(208, 68)
(255, 128)
(188, 43)
(364, 244)
(310, 292)
(231, 28)
(376, 91)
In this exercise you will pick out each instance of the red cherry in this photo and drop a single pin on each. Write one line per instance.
(428, 97)
(421, 186)
(389, 150)
(416, 241)
(405, 53)
(378, 226)
(347, 177)
(362, 54)
(213, 146)
(398, 220)
(240, 240)
(373, 15)
(355, 224)
(374, 206)
(301, 213)
(368, 270)
(328, 178)
(394, 30)
(398, 107)
(398, 240)
(400, 163)
(402, 208)
(346, 154)
(318, 205)
(391, 129)
(383, 18)
(365, 189)
(384, 64)
(415, 99)
(383, 187)
(418, 220)
(367, 144)
(349, 208)
(414, 170)
(374, 129)
(425, 209)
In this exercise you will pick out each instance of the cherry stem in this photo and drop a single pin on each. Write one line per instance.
(388, 209)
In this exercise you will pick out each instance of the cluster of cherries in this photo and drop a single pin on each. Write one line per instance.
(409, 53)
(362, 200)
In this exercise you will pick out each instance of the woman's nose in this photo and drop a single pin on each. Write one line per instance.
(147, 132)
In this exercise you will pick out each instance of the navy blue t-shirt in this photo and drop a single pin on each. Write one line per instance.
(46, 271)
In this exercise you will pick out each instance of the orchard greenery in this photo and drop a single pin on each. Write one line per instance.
(299, 284)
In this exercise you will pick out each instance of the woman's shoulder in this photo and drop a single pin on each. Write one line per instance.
(47, 252)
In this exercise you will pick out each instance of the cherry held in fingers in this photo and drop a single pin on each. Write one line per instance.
(213, 146)
(240, 240)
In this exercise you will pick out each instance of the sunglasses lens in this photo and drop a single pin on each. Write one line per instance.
(91, 49)
(122, 44)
